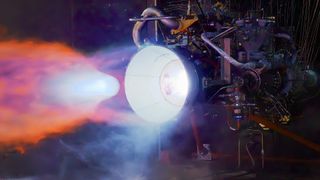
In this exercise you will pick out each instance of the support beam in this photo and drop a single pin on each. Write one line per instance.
(225, 64)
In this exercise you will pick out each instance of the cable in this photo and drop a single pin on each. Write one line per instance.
(222, 88)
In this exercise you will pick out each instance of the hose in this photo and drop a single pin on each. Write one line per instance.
(149, 12)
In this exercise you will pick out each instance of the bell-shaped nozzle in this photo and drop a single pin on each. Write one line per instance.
(159, 84)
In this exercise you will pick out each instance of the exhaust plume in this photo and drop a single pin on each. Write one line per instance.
(48, 88)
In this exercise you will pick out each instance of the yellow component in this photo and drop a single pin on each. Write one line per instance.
(184, 25)
(285, 119)
(264, 127)
(219, 5)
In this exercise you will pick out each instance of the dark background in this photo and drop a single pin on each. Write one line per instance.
(102, 150)
(83, 24)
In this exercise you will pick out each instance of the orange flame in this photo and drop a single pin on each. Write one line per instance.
(25, 115)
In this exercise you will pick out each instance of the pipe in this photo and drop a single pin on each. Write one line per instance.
(250, 155)
(248, 65)
(262, 145)
(221, 52)
(224, 33)
(151, 11)
(247, 149)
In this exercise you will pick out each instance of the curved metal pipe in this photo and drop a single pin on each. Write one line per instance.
(151, 11)
(221, 52)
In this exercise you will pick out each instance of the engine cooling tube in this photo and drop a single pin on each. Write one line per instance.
(149, 12)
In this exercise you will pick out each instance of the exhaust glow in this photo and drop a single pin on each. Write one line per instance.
(174, 83)
(81, 86)
(48, 88)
